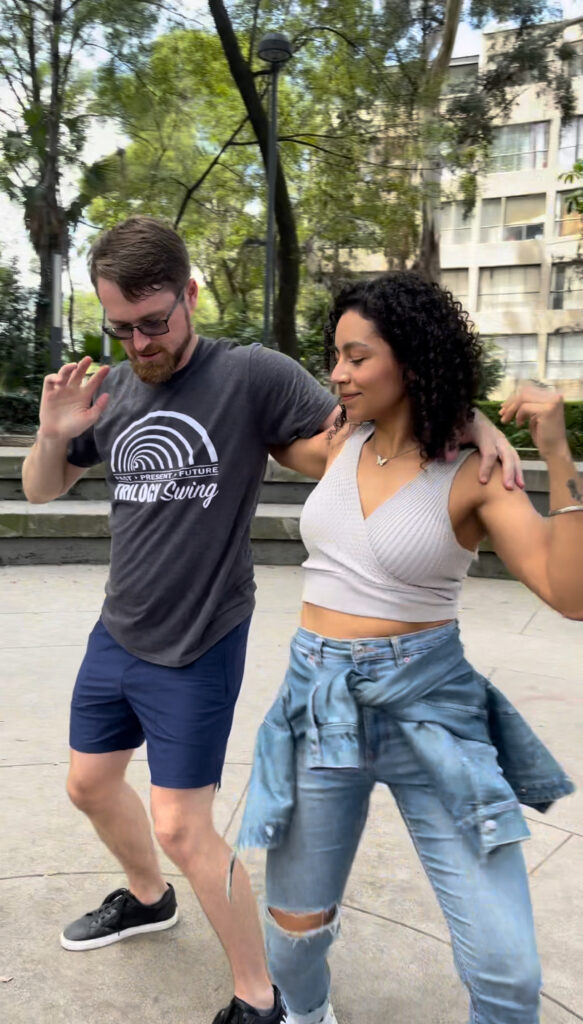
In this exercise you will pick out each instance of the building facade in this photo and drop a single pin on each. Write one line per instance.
(516, 263)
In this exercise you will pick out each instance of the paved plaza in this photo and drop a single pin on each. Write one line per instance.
(392, 964)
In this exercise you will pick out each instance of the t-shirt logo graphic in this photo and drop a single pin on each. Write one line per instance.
(165, 456)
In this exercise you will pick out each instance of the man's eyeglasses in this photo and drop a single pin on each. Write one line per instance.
(151, 328)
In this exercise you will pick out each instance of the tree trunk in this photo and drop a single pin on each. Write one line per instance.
(289, 250)
(428, 263)
(45, 218)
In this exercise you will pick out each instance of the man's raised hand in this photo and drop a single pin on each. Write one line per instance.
(66, 408)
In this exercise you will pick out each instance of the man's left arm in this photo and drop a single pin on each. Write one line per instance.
(288, 402)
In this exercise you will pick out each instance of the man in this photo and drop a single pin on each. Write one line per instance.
(184, 430)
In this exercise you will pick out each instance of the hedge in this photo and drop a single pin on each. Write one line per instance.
(520, 436)
(19, 414)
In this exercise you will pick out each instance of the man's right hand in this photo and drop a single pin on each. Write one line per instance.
(65, 407)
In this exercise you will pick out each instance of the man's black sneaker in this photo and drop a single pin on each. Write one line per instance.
(120, 916)
(239, 1012)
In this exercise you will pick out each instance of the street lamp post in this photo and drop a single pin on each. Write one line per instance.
(276, 50)
(105, 348)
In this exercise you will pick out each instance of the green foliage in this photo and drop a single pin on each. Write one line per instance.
(179, 112)
(313, 315)
(492, 369)
(574, 202)
(46, 112)
(361, 113)
(352, 134)
(18, 412)
(16, 329)
(521, 438)
(51, 93)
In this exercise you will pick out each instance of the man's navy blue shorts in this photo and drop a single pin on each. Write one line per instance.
(185, 714)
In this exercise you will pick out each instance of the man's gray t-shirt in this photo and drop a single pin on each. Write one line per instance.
(184, 463)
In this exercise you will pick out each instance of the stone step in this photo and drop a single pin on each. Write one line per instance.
(72, 531)
(75, 528)
(280, 485)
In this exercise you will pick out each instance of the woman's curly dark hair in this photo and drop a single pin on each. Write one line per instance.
(433, 340)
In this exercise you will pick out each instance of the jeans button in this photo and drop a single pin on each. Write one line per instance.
(490, 825)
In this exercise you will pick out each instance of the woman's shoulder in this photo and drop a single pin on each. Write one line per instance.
(339, 437)
(466, 485)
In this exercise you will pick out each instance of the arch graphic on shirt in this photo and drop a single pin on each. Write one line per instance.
(153, 448)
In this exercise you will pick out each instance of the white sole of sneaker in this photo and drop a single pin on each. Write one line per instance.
(330, 1018)
(108, 940)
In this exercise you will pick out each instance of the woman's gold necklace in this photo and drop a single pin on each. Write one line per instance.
(382, 462)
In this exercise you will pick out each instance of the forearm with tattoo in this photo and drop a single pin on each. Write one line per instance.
(574, 491)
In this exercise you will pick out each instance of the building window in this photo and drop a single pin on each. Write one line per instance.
(574, 66)
(461, 79)
(456, 282)
(571, 143)
(455, 227)
(567, 286)
(565, 356)
(519, 355)
(513, 219)
(508, 287)
(567, 223)
(518, 147)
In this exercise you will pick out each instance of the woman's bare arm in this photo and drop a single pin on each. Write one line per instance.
(545, 553)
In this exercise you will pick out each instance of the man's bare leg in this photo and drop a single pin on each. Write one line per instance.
(97, 786)
(184, 828)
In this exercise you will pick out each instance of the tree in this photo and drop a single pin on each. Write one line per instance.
(574, 202)
(367, 125)
(386, 69)
(16, 328)
(492, 369)
(44, 123)
(178, 113)
(288, 252)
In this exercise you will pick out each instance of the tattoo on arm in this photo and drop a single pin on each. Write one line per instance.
(574, 490)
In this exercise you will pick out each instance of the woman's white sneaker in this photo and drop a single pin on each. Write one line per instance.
(329, 1018)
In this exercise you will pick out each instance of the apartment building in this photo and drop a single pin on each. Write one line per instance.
(516, 263)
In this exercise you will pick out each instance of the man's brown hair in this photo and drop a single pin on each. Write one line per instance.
(140, 255)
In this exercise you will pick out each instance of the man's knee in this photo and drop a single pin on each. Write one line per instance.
(87, 793)
(184, 831)
(94, 778)
(173, 835)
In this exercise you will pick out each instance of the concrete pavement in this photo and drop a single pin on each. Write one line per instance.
(393, 962)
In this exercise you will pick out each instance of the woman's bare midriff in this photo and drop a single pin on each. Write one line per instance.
(341, 626)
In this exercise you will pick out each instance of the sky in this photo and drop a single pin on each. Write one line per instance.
(105, 138)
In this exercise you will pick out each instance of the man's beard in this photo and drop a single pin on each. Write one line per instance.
(161, 370)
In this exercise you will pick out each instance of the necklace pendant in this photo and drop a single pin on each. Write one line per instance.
(381, 461)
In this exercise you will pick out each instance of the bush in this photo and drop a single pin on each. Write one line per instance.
(491, 369)
(18, 412)
(520, 436)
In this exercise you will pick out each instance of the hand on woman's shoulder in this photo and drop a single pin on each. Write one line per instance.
(337, 438)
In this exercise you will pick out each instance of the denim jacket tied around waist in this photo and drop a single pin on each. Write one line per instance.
(482, 756)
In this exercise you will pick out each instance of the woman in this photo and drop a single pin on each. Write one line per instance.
(378, 689)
